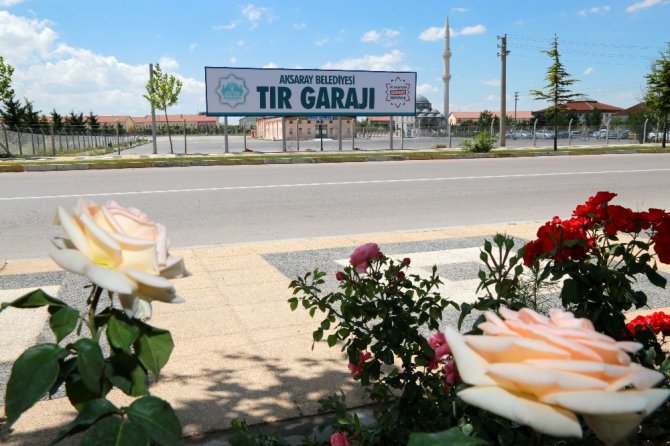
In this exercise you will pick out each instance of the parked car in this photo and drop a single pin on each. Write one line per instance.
(544, 134)
(654, 137)
(522, 134)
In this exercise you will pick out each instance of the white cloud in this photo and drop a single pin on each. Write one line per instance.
(594, 10)
(436, 33)
(192, 46)
(386, 62)
(300, 26)
(469, 31)
(255, 14)
(270, 65)
(492, 82)
(459, 10)
(643, 5)
(23, 40)
(433, 33)
(588, 71)
(168, 63)
(322, 42)
(233, 59)
(387, 37)
(371, 36)
(232, 25)
(8, 3)
(57, 76)
(519, 23)
(426, 89)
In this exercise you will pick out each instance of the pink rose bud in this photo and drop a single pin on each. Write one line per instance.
(339, 439)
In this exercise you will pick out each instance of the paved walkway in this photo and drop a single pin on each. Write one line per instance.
(239, 350)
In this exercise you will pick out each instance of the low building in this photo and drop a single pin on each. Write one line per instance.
(303, 127)
(199, 121)
(125, 123)
(586, 106)
(461, 118)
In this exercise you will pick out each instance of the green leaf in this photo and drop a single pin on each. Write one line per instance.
(153, 348)
(34, 299)
(90, 363)
(655, 278)
(158, 420)
(121, 333)
(317, 335)
(77, 392)
(33, 374)
(113, 431)
(125, 372)
(89, 414)
(451, 437)
(332, 340)
(569, 293)
(294, 303)
(63, 320)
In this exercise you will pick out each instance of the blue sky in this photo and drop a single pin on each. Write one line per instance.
(86, 55)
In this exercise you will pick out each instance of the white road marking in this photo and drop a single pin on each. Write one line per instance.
(341, 183)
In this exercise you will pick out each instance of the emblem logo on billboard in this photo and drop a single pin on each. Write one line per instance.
(232, 90)
(397, 92)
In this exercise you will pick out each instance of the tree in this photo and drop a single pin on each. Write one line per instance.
(556, 91)
(162, 92)
(74, 122)
(657, 96)
(594, 117)
(484, 121)
(92, 122)
(56, 120)
(31, 116)
(6, 72)
(13, 113)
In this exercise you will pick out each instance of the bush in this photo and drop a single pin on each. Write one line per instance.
(481, 143)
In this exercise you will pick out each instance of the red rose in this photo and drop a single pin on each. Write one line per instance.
(401, 275)
(339, 275)
(357, 369)
(406, 261)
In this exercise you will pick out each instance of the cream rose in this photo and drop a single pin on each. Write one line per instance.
(544, 371)
(121, 250)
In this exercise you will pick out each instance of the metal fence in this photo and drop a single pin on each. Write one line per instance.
(45, 141)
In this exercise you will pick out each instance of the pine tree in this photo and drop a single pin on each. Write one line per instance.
(13, 112)
(556, 91)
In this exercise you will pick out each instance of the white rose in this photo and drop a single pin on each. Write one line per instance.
(121, 250)
(544, 371)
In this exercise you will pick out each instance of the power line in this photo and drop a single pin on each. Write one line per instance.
(582, 53)
(574, 42)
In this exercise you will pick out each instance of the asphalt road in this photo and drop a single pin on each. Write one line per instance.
(233, 204)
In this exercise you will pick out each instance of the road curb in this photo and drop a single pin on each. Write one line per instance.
(144, 162)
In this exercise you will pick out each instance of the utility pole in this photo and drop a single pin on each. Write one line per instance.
(153, 110)
(503, 87)
(516, 99)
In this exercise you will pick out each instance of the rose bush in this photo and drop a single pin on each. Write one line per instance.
(124, 253)
(544, 371)
(119, 249)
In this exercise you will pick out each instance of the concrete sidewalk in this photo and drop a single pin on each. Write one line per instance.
(239, 350)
